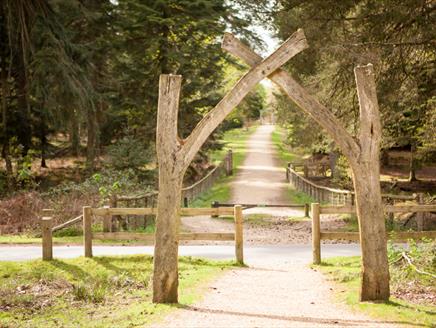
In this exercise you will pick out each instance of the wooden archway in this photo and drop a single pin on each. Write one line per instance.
(175, 155)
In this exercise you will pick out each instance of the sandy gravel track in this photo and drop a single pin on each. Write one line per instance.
(271, 292)
(271, 295)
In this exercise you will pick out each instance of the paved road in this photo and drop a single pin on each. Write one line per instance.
(254, 255)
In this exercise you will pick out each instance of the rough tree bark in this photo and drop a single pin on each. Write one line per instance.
(91, 139)
(366, 179)
(75, 133)
(363, 155)
(175, 155)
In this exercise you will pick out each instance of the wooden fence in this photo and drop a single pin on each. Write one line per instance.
(334, 196)
(318, 235)
(149, 200)
(107, 213)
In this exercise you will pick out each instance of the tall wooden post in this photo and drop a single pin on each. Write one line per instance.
(47, 238)
(87, 231)
(239, 234)
(316, 234)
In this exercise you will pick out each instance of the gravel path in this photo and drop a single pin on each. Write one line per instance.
(271, 295)
(270, 292)
(261, 178)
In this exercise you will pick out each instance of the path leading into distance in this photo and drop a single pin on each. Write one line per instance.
(278, 289)
(261, 178)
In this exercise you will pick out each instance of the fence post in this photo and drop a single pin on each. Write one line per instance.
(229, 163)
(287, 172)
(47, 238)
(239, 239)
(87, 231)
(215, 204)
(306, 210)
(306, 171)
(316, 234)
(113, 202)
(420, 215)
(107, 221)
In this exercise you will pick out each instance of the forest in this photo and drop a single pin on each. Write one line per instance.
(79, 84)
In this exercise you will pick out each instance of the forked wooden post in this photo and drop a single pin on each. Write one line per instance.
(107, 221)
(239, 237)
(316, 234)
(47, 238)
(87, 231)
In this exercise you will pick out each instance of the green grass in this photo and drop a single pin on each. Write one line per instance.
(98, 292)
(286, 156)
(236, 140)
(346, 272)
(67, 240)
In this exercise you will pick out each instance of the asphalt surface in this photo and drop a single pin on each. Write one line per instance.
(253, 255)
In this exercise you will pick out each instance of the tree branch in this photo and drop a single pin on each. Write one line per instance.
(292, 46)
(299, 95)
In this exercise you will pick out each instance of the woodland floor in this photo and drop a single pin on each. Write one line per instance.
(274, 294)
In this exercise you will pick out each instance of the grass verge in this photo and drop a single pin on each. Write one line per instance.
(345, 271)
(286, 156)
(236, 140)
(98, 292)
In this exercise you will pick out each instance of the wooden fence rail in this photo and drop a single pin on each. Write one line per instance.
(149, 199)
(88, 235)
(318, 235)
(333, 196)
(237, 236)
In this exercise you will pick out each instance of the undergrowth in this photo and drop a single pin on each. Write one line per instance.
(412, 301)
(99, 292)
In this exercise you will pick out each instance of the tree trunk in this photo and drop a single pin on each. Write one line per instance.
(413, 164)
(5, 134)
(366, 179)
(24, 130)
(90, 144)
(165, 276)
(43, 139)
(375, 272)
(75, 134)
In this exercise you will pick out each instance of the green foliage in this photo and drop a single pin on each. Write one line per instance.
(394, 36)
(341, 175)
(128, 153)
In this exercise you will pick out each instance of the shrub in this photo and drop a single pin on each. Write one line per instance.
(129, 153)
